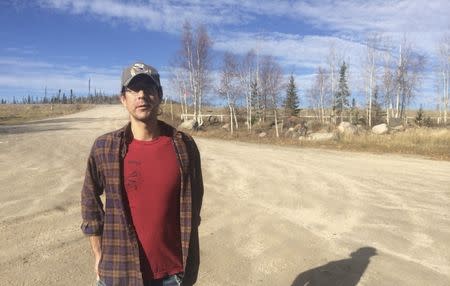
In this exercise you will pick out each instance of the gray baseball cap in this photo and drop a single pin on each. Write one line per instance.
(137, 69)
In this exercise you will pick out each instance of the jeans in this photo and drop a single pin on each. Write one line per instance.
(172, 280)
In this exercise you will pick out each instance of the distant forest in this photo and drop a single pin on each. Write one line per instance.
(62, 98)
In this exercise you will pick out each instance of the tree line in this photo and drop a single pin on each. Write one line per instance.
(60, 97)
(391, 79)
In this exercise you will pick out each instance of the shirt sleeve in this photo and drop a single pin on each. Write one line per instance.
(92, 211)
(197, 181)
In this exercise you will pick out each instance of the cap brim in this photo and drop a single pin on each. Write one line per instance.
(126, 83)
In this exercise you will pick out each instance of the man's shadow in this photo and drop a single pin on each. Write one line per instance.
(345, 272)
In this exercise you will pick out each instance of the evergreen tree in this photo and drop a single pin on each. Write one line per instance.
(255, 99)
(342, 93)
(420, 116)
(377, 113)
(354, 113)
(291, 101)
(71, 97)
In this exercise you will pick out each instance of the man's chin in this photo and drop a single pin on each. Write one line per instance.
(144, 117)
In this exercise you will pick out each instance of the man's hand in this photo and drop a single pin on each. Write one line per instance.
(96, 244)
(97, 261)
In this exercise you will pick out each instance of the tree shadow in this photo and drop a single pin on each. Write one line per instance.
(345, 272)
(30, 129)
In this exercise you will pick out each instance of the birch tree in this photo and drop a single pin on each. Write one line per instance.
(180, 84)
(230, 86)
(444, 76)
(370, 74)
(388, 81)
(271, 80)
(408, 77)
(318, 93)
(333, 60)
(195, 59)
(247, 76)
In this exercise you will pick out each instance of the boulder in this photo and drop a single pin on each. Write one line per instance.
(321, 136)
(393, 122)
(301, 129)
(313, 125)
(347, 128)
(262, 135)
(380, 129)
(290, 133)
(398, 128)
(188, 124)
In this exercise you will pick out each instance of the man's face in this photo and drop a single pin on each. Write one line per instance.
(141, 99)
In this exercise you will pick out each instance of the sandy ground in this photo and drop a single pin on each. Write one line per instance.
(271, 215)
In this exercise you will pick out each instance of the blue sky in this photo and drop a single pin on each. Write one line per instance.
(60, 44)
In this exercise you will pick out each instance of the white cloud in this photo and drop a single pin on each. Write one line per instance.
(424, 22)
(307, 52)
(344, 22)
(17, 73)
(164, 16)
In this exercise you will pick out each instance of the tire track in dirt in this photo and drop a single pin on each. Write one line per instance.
(269, 214)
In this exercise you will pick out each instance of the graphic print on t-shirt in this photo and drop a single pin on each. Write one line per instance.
(152, 179)
(134, 176)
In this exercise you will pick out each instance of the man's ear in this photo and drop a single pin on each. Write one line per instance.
(123, 99)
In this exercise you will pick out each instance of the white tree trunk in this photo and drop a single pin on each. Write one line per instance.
(446, 87)
(276, 122)
(231, 117)
(370, 98)
(235, 119)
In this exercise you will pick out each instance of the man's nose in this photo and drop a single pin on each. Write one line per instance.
(140, 93)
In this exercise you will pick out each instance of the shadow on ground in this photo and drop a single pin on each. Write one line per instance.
(47, 125)
(53, 120)
(345, 272)
(28, 129)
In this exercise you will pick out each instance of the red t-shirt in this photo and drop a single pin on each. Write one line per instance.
(152, 184)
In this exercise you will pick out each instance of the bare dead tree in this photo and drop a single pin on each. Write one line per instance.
(388, 81)
(370, 73)
(318, 93)
(247, 76)
(444, 76)
(333, 60)
(179, 82)
(408, 78)
(271, 76)
(195, 58)
(230, 86)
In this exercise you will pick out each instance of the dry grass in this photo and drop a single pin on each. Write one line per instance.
(429, 142)
(22, 113)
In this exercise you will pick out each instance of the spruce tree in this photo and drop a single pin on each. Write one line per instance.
(255, 99)
(343, 92)
(291, 101)
(377, 113)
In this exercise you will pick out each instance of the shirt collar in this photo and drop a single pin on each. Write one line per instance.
(165, 130)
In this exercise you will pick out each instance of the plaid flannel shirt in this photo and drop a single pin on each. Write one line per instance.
(120, 263)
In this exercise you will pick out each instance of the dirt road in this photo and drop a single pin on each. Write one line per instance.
(271, 215)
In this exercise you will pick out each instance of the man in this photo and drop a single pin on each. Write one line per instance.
(150, 173)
